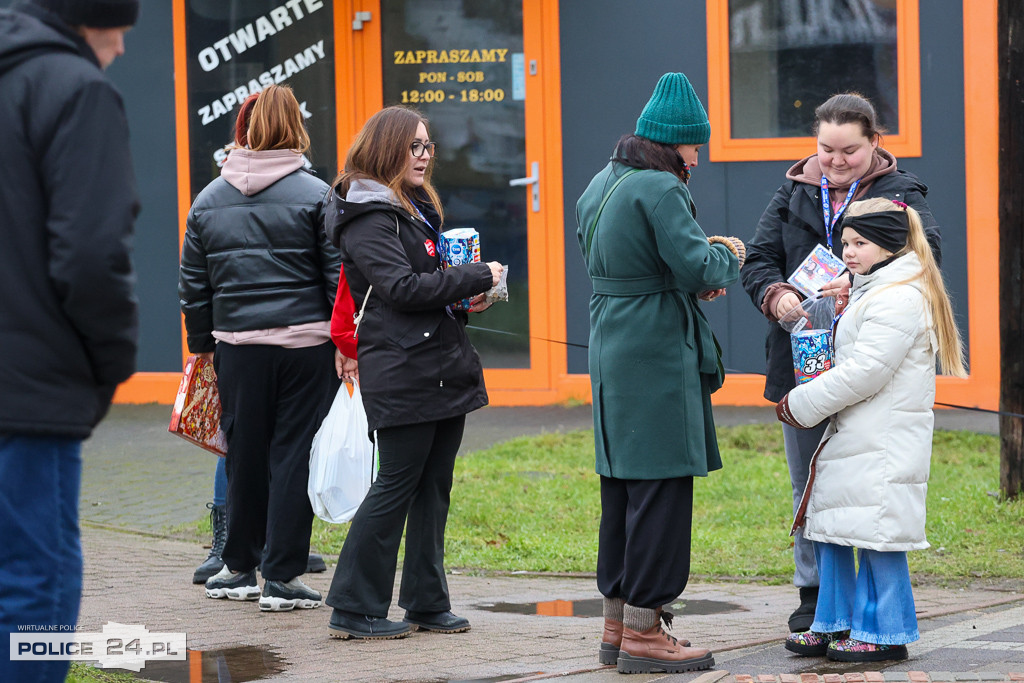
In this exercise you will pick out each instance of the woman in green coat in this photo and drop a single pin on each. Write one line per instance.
(653, 366)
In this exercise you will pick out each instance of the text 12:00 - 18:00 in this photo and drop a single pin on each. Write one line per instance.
(432, 96)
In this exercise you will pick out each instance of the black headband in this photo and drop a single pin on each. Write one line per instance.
(887, 229)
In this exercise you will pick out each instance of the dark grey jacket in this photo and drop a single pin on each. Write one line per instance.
(416, 363)
(256, 262)
(788, 230)
(68, 314)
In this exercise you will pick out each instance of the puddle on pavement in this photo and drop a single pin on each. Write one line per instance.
(594, 607)
(236, 664)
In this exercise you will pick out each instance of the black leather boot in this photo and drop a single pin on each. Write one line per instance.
(801, 619)
(213, 563)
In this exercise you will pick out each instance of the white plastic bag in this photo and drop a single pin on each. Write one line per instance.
(341, 461)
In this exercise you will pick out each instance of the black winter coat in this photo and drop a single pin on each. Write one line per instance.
(416, 363)
(68, 314)
(256, 262)
(788, 230)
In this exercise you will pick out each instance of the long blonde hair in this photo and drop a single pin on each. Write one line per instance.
(951, 355)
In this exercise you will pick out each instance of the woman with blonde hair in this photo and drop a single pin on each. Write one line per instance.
(869, 477)
(419, 376)
(257, 285)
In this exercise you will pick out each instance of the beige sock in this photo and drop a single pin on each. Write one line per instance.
(613, 608)
(639, 619)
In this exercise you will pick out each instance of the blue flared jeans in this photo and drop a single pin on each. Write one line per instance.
(875, 601)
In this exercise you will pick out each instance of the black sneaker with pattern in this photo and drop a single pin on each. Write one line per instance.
(812, 643)
(284, 596)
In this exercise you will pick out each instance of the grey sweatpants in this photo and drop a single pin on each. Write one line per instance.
(800, 447)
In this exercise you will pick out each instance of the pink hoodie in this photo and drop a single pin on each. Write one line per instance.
(252, 172)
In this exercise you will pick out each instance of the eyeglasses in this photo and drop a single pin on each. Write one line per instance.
(418, 148)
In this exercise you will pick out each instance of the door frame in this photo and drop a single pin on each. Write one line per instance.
(359, 71)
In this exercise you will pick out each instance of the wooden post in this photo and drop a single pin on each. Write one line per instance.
(1011, 245)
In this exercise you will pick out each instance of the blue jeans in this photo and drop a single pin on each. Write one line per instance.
(875, 602)
(41, 561)
(220, 483)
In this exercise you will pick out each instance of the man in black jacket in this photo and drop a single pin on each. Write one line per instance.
(68, 315)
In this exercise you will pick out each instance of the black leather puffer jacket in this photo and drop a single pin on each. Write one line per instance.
(259, 261)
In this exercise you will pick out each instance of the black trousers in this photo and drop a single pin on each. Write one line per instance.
(273, 400)
(414, 483)
(643, 553)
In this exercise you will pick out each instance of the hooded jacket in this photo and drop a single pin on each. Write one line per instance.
(793, 224)
(871, 477)
(255, 254)
(416, 363)
(68, 315)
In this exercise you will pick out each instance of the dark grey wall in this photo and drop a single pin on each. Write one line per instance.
(611, 59)
(145, 77)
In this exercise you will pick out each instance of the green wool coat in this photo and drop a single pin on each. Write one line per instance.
(653, 359)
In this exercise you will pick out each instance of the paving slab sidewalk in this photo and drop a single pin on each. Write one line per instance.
(137, 477)
(137, 579)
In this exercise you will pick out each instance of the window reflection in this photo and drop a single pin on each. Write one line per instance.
(453, 60)
(788, 56)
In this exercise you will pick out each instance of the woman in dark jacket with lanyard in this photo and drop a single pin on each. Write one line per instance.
(653, 366)
(419, 376)
(257, 285)
(849, 165)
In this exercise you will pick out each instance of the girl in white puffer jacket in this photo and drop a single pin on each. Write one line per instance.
(870, 475)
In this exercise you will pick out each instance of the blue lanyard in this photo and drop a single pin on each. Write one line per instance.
(826, 207)
(424, 219)
(448, 308)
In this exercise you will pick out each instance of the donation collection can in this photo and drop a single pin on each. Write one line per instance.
(812, 353)
(458, 246)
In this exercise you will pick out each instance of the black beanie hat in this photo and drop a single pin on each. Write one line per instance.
(94, 13)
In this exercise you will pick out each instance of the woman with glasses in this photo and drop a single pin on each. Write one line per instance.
(419, 375)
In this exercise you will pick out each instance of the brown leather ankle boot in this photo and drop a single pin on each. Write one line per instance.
(654, 650)
(610, 641)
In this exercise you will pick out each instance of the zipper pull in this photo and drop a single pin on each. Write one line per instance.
(442, 384)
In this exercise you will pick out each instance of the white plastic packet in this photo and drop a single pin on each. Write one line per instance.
(342, 460)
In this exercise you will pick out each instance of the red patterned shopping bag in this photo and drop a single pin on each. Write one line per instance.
(196, 413)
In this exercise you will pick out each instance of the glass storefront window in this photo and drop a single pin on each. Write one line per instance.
(235, 48)
(455, 61)
(772, 62)
(788, 56)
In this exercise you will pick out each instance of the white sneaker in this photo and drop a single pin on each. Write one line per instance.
(233, 585)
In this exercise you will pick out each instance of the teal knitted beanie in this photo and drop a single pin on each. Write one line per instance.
(674, 115)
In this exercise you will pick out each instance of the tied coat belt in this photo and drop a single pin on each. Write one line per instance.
(708, 349)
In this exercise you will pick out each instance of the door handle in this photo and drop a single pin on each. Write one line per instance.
(534, 181)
